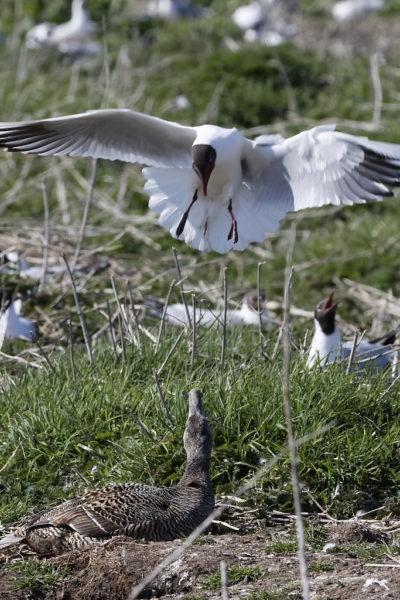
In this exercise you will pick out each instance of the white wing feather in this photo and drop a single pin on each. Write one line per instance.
(319, 167)
(113, 134)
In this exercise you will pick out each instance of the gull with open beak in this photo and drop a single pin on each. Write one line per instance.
(212, 186)
(327, 347)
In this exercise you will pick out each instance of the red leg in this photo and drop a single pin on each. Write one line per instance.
(185, 215)
(233, 232)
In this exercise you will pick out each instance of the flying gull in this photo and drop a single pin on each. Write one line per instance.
(212, 186)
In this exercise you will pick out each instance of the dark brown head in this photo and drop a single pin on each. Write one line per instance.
(325, 314)
(203, 157)
(197, 438)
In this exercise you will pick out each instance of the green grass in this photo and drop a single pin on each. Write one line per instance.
(35, 577)
(59, 436)
(235, 575)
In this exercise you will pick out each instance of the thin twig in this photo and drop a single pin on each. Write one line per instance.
(225, 281)
(352, 351)
(161, 395)
(142, 426)
(178, 270)
(46, 236)
(135, 318)
(194, 331)
(301, 550)
(224, 580)
(85, 214)
(389, 388)
(171, 287)
(178, 339)
(78, 307)
(9, 459)
(217, 512)
(118, 302)
(43, 353)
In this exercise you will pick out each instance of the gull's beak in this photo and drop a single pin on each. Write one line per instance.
(329, 303)
(203, 157)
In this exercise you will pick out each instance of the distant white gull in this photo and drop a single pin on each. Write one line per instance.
(12, 324)
(169, 10)
(327, 347)
(246, 315)
(349, 10)
(212, 186)
(66, 37)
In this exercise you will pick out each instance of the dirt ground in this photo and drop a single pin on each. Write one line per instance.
(109, 572)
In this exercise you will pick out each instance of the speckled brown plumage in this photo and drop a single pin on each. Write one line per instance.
(132, 509)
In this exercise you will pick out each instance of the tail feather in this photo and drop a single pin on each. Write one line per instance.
(387, 339)
(11, 539)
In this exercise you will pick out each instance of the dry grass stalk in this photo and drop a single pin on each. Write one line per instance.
(122, 336)
(260, 330)
(43, 353)
(171, 287)
(225, 284)
(135, 318)
(71, 349)
(224, 580)
(110, 324)
(78, 307)
(178, 339)
(194, 331)
(301, 550)
(161, 395)
(178, 270)
(352, 351)
(46, 236)
(85, 214)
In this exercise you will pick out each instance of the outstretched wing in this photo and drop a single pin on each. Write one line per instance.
(319, 167)
(113, 134)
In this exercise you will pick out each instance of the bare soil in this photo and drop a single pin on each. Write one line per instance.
(110, 571)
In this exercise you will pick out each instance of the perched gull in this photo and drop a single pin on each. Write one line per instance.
(212, 186)
(246, 315)
(327, 347)
(349, 10)
(170, 10)
(67, 37)
(12, 325)
(260, 26)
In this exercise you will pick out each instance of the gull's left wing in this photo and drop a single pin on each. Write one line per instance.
(318, 167)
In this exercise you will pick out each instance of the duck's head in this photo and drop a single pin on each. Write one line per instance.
(203, 163)
(325, 314)
(197, 438)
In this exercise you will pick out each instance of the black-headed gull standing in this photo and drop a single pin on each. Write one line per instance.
(327, 347)
(246, 315)
(12, 324)
(66, 37)
(212, 186)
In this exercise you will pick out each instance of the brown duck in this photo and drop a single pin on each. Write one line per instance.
(132, 509)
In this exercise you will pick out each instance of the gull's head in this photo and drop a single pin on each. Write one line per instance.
(325, 314)
(203, 162)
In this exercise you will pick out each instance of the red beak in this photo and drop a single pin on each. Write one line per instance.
(204, 178)
(329, 304)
